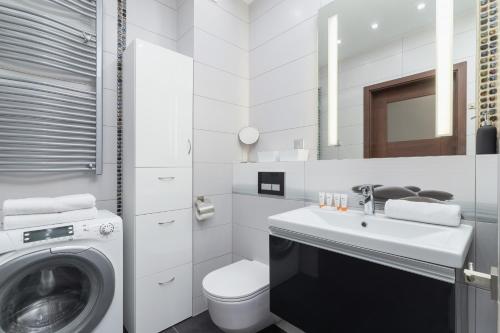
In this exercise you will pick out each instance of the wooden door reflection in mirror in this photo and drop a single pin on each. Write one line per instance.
(399, 117)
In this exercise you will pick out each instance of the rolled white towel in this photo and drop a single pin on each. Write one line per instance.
(34, 220)
(434, 213)
(62, 204)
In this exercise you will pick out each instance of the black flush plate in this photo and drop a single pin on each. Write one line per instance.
(271, 183)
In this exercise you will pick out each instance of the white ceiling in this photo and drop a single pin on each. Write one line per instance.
(248, 1)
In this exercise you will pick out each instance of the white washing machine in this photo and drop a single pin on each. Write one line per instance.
(63, 278)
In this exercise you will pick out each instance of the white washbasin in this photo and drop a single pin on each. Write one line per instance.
(441, 245)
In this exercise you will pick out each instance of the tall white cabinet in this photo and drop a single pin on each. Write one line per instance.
(157, 187)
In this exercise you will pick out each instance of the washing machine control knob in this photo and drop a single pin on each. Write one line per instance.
(106, 229)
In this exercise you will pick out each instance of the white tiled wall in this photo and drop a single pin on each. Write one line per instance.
(250, 230)
(154, 21)
(216, 35)
(428, 173)
(245, 178)
(283, 73)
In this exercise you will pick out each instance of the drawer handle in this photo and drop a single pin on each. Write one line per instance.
(165, 179)
(190, 146)
(168, 282)
(167, 222)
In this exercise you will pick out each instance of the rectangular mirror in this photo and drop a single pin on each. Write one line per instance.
(395, 81)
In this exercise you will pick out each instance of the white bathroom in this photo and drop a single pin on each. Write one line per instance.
(249, 166)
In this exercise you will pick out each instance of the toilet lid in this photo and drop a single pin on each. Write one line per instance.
(237, 281)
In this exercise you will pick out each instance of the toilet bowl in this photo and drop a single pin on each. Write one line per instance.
(238, 297)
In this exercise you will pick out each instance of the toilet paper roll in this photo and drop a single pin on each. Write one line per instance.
(203, 217)
(204, 209)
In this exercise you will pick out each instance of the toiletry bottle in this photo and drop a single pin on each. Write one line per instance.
(329, 200)
(321, 199)
(343, 202)
(336, 200)
(486, 138)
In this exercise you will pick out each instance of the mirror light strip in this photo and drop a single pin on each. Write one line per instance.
(333, 37)
(444, 68)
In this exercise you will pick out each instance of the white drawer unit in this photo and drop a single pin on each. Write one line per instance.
(164, 240)
(162, 299)
(160, 190)
(157, 187)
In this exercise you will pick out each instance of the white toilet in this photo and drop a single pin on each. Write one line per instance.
(238, 297)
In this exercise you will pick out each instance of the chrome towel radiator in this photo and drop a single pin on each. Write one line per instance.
(51, 85)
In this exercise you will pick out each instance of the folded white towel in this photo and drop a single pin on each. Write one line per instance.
(48, 205)
(434, 213)
(34, 220)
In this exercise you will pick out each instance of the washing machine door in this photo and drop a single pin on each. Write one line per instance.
(65, 291)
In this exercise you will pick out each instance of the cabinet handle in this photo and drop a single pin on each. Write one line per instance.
(167, 282)
(190, 146)
(164, 179)
(167, 222)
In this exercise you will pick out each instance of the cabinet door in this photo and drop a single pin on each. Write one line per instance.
(164, 241)
(163, 107)
(320, 291)
(163, 189)
(164, 299)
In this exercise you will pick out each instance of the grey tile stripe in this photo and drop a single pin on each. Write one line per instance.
(121, 44)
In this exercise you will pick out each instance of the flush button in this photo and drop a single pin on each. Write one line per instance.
(271, 183)
(266, 187)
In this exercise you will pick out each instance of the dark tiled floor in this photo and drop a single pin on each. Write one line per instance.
(203, 324)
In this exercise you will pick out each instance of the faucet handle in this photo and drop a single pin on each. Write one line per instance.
(367, 190)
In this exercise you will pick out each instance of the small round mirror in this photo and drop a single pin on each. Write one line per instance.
(249, 135)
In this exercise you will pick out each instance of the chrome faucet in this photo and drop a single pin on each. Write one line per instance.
(368, 202)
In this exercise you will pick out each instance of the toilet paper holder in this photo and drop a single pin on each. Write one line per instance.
(204, 209)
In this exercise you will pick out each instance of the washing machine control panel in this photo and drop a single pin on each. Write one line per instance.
(47, 234)
(105, 228)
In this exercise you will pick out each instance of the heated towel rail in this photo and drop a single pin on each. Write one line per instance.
(51, 85)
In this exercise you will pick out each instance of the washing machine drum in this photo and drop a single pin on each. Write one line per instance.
(54, 291)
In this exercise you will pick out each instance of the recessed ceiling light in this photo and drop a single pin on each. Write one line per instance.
(375, 26)
(339, 41)
(421, 6)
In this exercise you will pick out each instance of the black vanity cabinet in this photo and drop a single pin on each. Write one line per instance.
(322, 291)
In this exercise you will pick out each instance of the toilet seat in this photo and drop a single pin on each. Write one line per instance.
(238, 282)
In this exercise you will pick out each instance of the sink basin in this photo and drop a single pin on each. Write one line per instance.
(441, 245)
